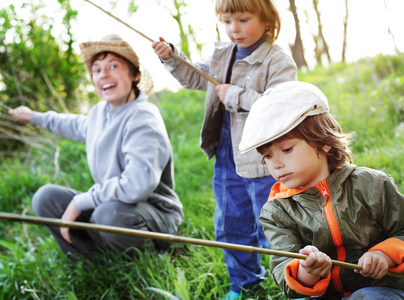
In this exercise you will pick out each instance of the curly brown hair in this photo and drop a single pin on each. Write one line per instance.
(319, 131)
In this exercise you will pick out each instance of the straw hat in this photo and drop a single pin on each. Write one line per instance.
(114, 43)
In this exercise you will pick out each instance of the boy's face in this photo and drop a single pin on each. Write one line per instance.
(296, 164)
(112, 79)
(243, 28)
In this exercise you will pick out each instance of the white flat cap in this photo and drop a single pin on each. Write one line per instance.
(280, 110)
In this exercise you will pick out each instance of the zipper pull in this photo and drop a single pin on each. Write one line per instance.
(324, 192)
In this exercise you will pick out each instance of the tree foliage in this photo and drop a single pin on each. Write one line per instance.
(36, 69)
(39, 68)
(178, 9)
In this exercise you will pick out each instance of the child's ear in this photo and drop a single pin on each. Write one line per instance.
(326, 148)
(136, 78)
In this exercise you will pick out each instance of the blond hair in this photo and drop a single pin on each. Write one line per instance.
(265, 10)
(319, 131)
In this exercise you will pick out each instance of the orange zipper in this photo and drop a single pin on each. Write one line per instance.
(335, 233)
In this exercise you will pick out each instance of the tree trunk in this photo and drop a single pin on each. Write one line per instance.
(177, 9)
(344, 43)
(321, 44)
(390, 32)
(297, 48)
(178, 18)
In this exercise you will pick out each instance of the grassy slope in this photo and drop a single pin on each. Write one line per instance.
(32, 266)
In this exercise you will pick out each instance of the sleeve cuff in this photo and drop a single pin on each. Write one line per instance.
(231, 102)
(37, 118)
(394, 248)
(83, 201)
(291, 274)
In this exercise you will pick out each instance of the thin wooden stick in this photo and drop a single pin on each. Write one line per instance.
(4, 106)
(166, 237)
(212, 80)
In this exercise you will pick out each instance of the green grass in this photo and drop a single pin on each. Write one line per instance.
(365, 98)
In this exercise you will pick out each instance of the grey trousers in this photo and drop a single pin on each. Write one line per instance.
(51, 201)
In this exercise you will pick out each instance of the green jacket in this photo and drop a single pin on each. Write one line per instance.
(351, 212)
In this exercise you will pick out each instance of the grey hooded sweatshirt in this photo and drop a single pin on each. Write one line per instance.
(128, 152)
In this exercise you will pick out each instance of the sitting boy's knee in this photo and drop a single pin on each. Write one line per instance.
(105, 213)
(115, 213)
(41, 198)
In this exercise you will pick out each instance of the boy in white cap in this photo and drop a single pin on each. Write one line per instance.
(322, 205)
(128, 152)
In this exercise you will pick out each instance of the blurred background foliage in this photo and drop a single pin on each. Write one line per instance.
(43, 72)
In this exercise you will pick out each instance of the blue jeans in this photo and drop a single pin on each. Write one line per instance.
(376, 293)
(238, 205)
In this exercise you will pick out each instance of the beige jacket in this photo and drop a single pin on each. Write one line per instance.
(266, 67)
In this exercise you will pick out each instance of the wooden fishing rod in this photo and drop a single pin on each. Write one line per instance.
(177, 57)
(166, 237)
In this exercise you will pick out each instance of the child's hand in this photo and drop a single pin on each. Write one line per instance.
(21, 114)
(375, 264)
(162, 49)
(315, 266)
(221, 90)
(71, 214)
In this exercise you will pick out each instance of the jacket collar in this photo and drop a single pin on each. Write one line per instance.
(281, 191)
(257, 56)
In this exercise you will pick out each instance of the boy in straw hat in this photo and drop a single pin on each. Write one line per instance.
(128, 152)
(322, 205)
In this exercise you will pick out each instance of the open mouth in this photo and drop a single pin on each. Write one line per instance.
(107, 86)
